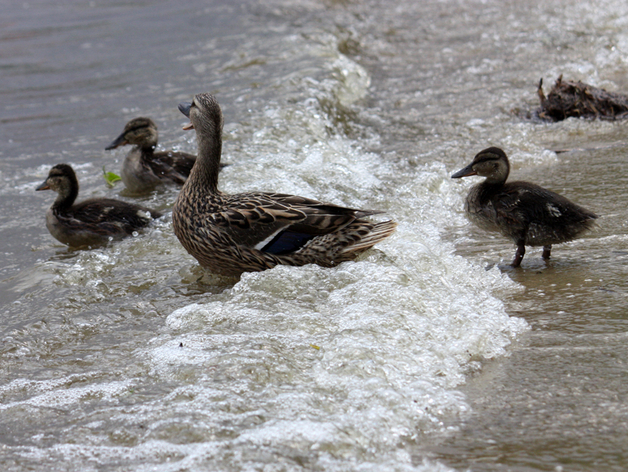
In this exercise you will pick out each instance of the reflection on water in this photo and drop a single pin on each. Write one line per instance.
(426, 354)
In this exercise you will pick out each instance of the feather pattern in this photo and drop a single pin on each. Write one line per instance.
(90, 222)
(231, 234)
(522, 211)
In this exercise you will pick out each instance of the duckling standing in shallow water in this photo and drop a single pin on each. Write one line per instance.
(231, 234)
(524, 212)
(93, 221)
(144, 168)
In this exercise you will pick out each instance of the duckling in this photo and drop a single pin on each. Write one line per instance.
(522, 211)
(144, 168)
(232, 234)
(90, 222)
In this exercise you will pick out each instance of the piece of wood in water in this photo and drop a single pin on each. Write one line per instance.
(577, 99)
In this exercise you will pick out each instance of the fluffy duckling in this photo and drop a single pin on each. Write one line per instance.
(90, 222)
(231, 234)
(522, 211)
(144, 168)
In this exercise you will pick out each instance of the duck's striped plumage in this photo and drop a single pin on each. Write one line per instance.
(231, 234)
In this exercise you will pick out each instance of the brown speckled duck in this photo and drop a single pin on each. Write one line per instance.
(90, 222)
(231, 234)
(524, 212)
(144, 168)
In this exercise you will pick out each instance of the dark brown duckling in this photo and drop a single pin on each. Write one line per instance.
(91, 222)
(144, 168)
(522, 211)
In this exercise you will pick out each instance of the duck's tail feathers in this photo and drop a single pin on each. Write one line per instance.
(343, 245)
(363, 213)
(366, 236)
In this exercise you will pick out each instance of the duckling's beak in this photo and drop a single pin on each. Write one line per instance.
(185, 109)
(44, 186)
(467, 171)
(119, 141)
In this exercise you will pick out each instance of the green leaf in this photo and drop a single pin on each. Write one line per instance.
(110, 177)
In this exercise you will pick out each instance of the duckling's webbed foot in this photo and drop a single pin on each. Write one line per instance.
(546, 251)
(521, 250)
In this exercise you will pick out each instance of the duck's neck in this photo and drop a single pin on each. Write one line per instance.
(205, 171)
(66, 197)
(485, 191)
(145, 151)
(495, 181)
(491, 187)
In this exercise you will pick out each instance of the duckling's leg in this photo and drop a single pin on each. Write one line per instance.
(521, 250)
(546, 251)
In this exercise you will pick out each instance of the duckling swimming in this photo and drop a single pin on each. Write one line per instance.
(522, 211)
(231, 234)
(144, 168)
(90, 222)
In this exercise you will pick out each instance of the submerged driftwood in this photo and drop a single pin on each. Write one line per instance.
(580, 100)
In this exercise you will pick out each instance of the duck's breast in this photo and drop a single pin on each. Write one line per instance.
(137, 176)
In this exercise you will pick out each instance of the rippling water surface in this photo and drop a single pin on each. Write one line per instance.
(429, 353)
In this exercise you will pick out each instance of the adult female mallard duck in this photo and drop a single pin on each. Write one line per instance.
(524, 212)
(231, 234)
(90, 222)
(144, 168)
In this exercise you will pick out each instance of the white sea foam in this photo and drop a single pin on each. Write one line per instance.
(60, 393)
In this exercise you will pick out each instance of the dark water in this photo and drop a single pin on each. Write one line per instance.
(429, 354)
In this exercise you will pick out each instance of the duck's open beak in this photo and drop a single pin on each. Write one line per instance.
(467, 171)
(119, 141)
(185, 109)
(44, 186)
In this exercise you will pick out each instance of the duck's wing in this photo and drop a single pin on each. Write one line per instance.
(281, 224)
(171, 165)
(108, 216)
(524, 202)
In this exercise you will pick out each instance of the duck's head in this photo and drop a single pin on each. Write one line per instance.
(62, 180)
(491, 163)
(140, 131)
(204, 114)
